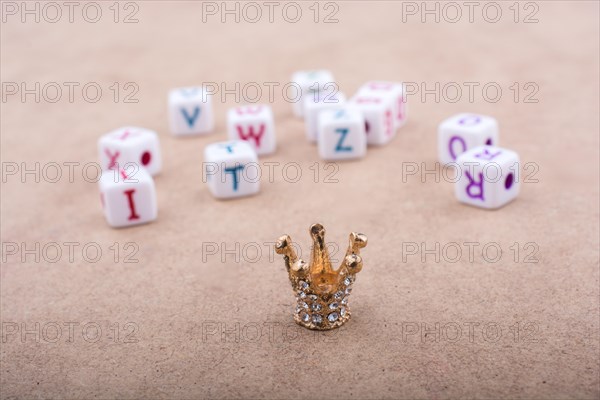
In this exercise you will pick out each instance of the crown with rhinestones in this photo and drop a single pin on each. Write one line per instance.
(321, 292)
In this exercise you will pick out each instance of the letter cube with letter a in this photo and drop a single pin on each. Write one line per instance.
(378, 111)
(231, 169)
(342, 134)
(393, 89)
(190, 111)
(253, 124)
(462, 132)
(128, 196)
(130, 145)
(489, 177)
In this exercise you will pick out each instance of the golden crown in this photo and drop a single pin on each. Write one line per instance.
(322, 293)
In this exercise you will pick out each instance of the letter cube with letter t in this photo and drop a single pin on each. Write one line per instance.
(342, 134)
(309, 82)
(378, 111)
(393, 89)
(128, 196)
(190, 111)
(253, 124)
(488, 177)
(462, 132)
(128, 145)
(231, 169)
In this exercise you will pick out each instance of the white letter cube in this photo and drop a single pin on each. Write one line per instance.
(378, 111)
(309, 82)
(130, 144)
(190, 111)
(314, 104)
(342, 134)
(462, 132)
(253, 124)
(231, 169)
(489, 177)
(392, 89)
(128, 196)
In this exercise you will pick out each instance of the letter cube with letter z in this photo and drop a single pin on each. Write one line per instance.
(128, 196)
(462, 132)
(253, 124)
(231, 169)
(190, 111)
(130, 145)
(489, 177)
(342, 134)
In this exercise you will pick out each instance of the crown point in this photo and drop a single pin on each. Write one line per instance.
(282, 244)
(300, 266)
(359, 239)
(317, 230)
(354, 263)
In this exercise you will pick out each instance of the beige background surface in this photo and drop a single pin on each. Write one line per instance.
(172, 295)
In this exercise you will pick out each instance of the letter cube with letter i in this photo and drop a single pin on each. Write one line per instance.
(488, 177)
(393, 89)
(231, 169)
(342, 134)
(190, 111)
(128, 196)
(378, 111)
(462, 132)
(253, 124)
(128, 145)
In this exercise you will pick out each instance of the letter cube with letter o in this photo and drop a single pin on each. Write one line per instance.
(309, 82)
(253, 124)
(314, 103)
(378, 111)
(342, 134)
(190, 111)
(393, 89)
(231, 169)
(130, 145)
(489, 177)
(462, 132)
(128, 196)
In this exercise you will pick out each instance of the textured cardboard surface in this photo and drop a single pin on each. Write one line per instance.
(178, 300)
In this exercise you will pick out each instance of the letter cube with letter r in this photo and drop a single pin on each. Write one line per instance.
(130, 144)
(231, 169)
(488, 177)
(342, 134)
(190, 111)
(462, 132)
(253, 124)
(128, 196)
